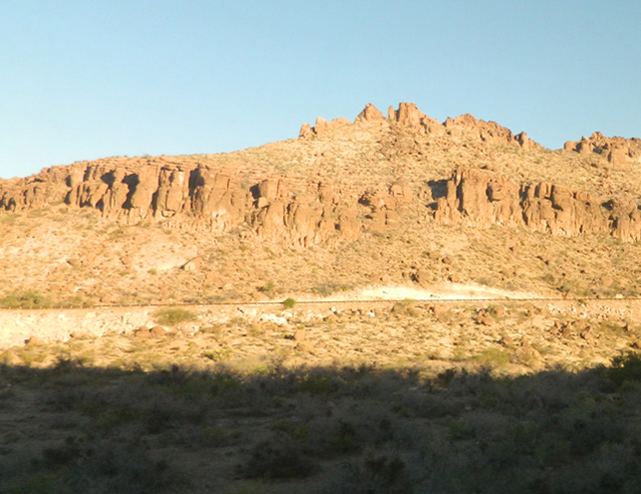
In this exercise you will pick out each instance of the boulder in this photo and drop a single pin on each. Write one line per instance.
(584, 147)
(306, 131)
(321, 126)
(618, 158)
(524, 141)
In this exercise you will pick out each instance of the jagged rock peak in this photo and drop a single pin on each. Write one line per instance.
(409, 117)
(370, 114)
(619, 151)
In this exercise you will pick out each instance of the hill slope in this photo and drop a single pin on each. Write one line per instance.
(401, 199)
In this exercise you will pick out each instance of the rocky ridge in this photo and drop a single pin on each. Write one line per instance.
(191, 193)
(618, 151)
(482, 199)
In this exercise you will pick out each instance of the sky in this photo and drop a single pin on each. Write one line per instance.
(88, 79)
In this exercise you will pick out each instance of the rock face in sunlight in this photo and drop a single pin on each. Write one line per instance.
(302, 209)
(479, 198)
(409, 118)
(196, 196)
(620, 152)
(202, 198)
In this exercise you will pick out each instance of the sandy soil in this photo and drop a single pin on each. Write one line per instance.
(445, 291)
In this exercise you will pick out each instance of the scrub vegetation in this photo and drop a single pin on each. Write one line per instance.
(320, 430)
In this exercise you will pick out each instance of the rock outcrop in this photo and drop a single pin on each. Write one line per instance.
(481, 199)
(618, 151)
(371, 115)
(196, 196)
(321, 127)
(192, 193)
(409, 117)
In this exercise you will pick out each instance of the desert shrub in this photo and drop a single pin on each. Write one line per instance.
(610, 327)
(289, 303)
(278, 458)
(218, 437)
(625, 368)
(327, 289)
(172, 316)
(30, 299)
(493, 357)
(345, 438)
(78, 301)
(380, 474)
(317, 383)
(39, 484)
(116, 467)
(268, 288)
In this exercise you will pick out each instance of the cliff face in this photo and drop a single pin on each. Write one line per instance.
(479, 198)
(202, 198)
(303, 209)
(618, 151)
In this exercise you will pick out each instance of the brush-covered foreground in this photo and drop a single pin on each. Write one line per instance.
(76, 429)
(395, 397)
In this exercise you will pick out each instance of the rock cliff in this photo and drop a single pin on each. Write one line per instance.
(304, 209)
(620, 152)
(200, 197)
(479, 198)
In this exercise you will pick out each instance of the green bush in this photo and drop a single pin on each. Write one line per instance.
(289, 303)
(40, 484)
(625, 368)
(172, 316)
(31, 299)
(278, 458)
(268, 289)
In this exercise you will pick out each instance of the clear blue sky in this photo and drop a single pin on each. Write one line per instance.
(85, 79)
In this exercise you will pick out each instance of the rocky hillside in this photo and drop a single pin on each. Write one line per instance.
(396, 199)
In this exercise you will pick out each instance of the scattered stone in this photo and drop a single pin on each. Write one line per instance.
(422, 277)
(157, 332)
(528, 355)
(587, 334)
(304, 346)
(33, 340)
(499, 311)
(281, 321)
(193, 265)
(142, 334)
(507, 341)
(439, 309)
